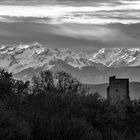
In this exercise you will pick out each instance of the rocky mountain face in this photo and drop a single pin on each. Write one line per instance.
(16, 58)
(26, 60)
(116, 57)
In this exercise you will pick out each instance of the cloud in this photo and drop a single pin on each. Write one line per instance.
(126, 13)
(94, 33)
(86, 32)
(77, 37)
(73, 26)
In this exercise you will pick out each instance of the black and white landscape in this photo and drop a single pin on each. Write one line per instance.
(91, 39)
(88, 67)
(26, 60)
(56, 57)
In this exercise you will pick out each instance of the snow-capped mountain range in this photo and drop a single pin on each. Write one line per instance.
(16, 58)
(116, 57)
(25, 57)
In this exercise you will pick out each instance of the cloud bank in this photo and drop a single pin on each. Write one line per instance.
(126, 12)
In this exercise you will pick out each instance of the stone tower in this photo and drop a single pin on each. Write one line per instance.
(118, 89)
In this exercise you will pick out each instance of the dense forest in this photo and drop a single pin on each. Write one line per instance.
(55, 106)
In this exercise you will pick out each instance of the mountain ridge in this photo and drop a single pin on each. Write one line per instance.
(88, 68)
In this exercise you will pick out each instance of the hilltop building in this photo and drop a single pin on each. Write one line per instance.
(118, 89)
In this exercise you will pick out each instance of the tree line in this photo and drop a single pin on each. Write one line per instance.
(56, 106)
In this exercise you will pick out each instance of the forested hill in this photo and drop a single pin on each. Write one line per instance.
(55, 106)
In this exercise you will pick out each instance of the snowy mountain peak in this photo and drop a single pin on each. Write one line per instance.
(21, 46)
(116, 57)
(102, 50)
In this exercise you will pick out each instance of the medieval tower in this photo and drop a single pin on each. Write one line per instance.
(118, 89)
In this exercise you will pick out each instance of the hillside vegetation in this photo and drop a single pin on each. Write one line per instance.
(55, 106)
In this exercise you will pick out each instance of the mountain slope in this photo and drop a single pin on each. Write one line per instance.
(116, 57)
(18, 57)
(86, 74)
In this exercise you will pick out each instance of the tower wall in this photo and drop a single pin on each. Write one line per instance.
(118, 89)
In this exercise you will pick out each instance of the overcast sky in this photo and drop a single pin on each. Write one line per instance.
(76, 24)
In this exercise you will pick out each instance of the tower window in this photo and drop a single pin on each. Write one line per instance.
(117, 90)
